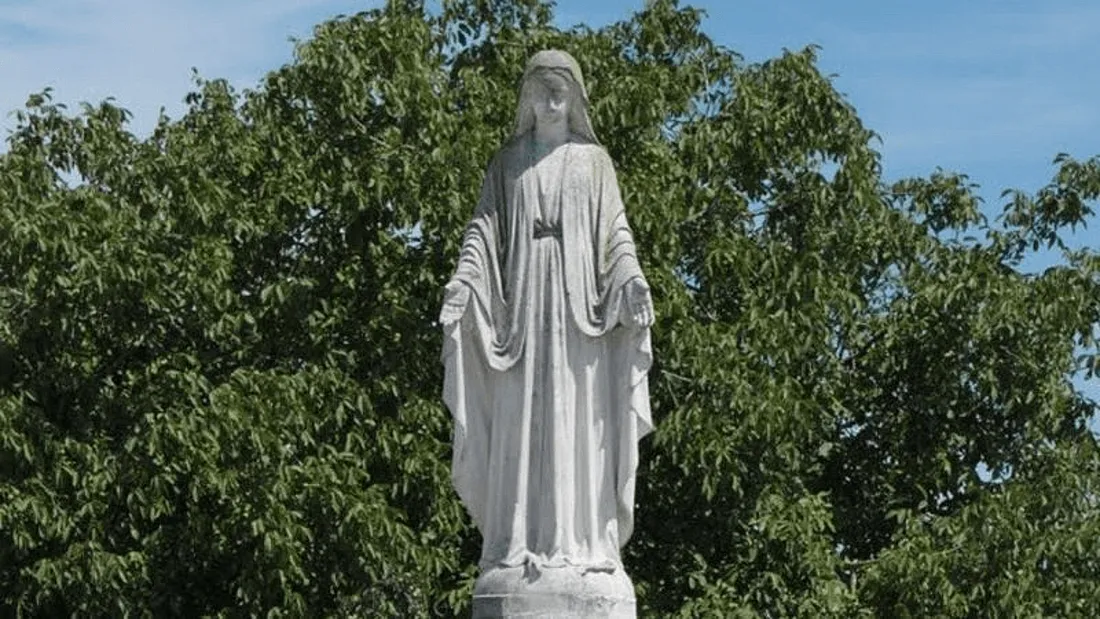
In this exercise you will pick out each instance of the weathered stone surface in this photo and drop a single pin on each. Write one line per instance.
(546, 354)
(559, 592)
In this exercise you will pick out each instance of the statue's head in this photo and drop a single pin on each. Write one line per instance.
(553, 88)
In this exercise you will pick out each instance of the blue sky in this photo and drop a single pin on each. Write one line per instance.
(992, 88)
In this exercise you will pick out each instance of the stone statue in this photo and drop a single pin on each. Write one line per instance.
(546, 353)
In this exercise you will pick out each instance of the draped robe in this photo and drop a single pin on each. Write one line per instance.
(548, 392)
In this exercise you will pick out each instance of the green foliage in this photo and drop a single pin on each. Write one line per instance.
(219, 375)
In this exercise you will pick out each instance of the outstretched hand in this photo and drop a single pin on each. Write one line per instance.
(455, 298)
(639, 304)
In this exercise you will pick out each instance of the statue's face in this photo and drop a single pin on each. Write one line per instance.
(552, 99)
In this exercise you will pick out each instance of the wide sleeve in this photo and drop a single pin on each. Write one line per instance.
(484, 244)
(602, 256)
(615, 261)
(468, 344)
(616, 254)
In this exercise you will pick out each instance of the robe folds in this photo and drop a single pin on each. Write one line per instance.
(548, 391)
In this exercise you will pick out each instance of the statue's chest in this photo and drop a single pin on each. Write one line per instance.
(549, 172)
(543, 189)
(547, 181)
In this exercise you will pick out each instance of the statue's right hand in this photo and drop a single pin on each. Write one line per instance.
(455, 297)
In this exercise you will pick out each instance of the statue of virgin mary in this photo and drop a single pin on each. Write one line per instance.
(546, 353)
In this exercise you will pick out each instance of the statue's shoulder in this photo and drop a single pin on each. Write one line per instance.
(512, 156)
(593, 154)
(508, 158)
(511, 149)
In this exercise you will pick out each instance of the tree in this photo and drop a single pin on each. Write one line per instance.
(219, 376)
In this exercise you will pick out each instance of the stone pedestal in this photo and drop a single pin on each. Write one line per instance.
(559, 592)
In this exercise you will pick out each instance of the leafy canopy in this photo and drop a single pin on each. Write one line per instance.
(219, 374)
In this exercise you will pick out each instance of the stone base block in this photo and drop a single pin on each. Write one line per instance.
(559, 592)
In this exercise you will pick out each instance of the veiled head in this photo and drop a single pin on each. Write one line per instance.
(552, 86)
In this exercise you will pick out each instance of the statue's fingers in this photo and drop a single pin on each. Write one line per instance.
(451, 312)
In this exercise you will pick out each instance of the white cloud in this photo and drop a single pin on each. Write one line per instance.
(141, 52)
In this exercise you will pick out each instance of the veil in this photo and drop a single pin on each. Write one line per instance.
(563, 63)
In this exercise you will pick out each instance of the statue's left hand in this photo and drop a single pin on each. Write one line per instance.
(455, 297)
(639, 304)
